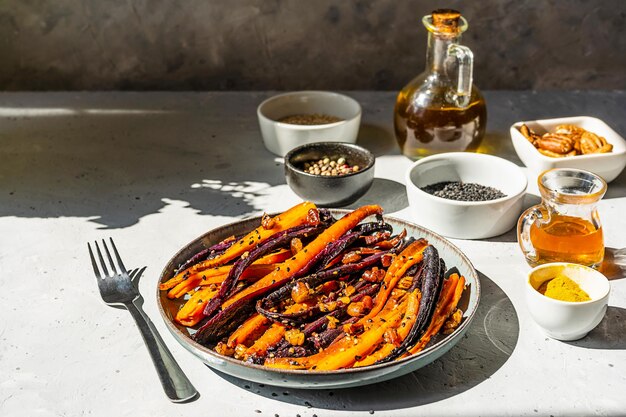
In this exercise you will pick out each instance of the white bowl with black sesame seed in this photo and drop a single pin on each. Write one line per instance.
(465, 195)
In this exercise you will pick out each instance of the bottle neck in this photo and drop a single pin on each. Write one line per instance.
(437, 51)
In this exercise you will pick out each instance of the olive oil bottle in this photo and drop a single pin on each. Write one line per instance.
(441, 110)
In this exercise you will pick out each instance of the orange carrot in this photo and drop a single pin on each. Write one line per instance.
(410, 256)
(285, 271)
(271, 336)
(192, 311)
(217, 274)
(249, 327)
(295, 216)
(250, 274)
(344, 352)
(451, 294)
(403, 329)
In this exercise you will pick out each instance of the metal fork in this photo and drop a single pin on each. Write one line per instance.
(117, 289)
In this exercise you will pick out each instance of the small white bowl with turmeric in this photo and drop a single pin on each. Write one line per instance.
(567, 300)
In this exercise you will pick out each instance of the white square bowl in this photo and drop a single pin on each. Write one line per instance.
(607, 165)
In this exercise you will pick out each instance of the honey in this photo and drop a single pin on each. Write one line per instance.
(567, 239)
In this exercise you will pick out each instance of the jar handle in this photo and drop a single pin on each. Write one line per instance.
(465, 60)
(526, 220)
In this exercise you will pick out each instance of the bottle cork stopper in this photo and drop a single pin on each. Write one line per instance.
(446, 20)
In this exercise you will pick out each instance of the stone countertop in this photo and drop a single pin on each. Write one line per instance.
(155, 170)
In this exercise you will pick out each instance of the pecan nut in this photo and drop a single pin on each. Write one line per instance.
(569, 130)
(592, 143)
(560, 144)
(567, 140)
(529, 134)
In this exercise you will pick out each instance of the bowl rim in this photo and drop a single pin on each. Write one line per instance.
(193, 346)
(371, 159)
(588, 270)
(516, 136)
(455, 155)
(330, 94)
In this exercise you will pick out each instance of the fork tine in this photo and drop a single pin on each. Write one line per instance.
(94, 263)
(138, 273)
(102, 263)
(117, 256)
(106, 249)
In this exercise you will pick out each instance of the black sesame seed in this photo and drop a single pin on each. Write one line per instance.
(463, 191)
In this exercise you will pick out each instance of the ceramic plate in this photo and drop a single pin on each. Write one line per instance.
(322, 379)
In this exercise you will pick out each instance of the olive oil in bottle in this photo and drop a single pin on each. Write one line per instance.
(441, 110)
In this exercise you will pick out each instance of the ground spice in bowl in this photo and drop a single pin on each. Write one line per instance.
(310, 119)
(564, 289)
(463, 191)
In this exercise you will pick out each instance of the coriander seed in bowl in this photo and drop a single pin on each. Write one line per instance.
(330, 167)
(330, 174)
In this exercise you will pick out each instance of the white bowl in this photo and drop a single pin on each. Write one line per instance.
(607, 165)
(463, 219)
(280, 138)
(565, 320)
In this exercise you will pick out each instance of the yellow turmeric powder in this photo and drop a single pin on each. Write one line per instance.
(563, 288)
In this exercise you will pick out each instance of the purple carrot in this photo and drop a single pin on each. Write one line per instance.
(275, 241)
(338, 246)
(225, 321)
(207, 253)
(432, 277)
(367, 228)
(265, 305)
(325, 338)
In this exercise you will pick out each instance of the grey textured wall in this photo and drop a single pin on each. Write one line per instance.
(274, 44)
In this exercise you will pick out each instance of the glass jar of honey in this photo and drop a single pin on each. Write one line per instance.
(565, 227)
(441, 110)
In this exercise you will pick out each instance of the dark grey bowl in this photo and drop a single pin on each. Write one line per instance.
(329, 191)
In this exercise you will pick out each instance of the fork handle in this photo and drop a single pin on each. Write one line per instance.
(175, 383)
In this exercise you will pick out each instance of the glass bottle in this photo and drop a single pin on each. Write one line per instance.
(566, 226)
(441, 110)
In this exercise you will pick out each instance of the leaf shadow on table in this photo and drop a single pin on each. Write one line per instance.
(610, 333)
(487, 345)
(117, 165)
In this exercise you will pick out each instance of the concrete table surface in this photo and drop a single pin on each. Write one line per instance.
(155, 170)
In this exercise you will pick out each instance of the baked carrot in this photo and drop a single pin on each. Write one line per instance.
(274, 257)
(271, 336)
(403, 329)
(251, 274)
(297, 215)
(217, 274)
(344, 352)
(257, 321)
(191, 312)
(451, 294)
(410, 256)
(249, 327)
(287, 269)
